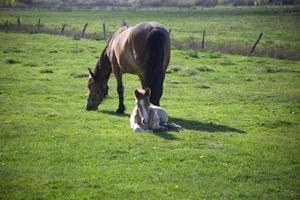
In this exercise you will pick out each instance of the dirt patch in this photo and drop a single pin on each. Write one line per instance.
(12, 61)
(47, 71)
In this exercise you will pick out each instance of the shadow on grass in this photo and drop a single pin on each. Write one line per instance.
(115, 113)
(186, 124)
(166, 135)
(162, 134)
(202, 126)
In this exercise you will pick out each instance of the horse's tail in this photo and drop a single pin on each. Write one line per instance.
(155, 73)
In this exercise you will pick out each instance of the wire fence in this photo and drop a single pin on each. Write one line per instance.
(281, 52)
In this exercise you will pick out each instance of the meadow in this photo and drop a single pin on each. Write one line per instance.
(235, 26)
(240, 115)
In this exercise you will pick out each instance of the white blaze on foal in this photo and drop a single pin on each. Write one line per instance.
(148, 117)
(144, 113)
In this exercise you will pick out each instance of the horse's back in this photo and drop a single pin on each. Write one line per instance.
(130, 47)
(144, 35)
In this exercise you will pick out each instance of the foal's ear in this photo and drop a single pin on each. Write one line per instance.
(137, 94)
(148, 92)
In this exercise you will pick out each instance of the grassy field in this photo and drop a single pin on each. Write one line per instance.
(240, 117)
(237, 26)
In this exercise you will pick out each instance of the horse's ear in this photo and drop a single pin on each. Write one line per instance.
(92, 74)
(137, 94)
(148, 92)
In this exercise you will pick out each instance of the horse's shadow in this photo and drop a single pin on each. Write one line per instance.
(115, 113)
(188, 125)
(162, 134)
(166, 135)
(204, 127)
(197, 126)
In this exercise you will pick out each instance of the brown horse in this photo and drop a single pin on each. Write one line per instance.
(143, 50)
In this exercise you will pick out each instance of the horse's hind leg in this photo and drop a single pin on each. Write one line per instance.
(156, 90)
(156, 86)
(120, 90)
(143, 82)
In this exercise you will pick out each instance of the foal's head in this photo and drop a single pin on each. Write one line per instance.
(98, 90)
(142, 103)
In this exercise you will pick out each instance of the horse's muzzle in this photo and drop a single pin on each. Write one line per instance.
(91, 108)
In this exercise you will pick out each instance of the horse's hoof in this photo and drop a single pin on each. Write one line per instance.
(121, 110)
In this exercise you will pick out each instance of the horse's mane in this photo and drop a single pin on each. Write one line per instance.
(103, 66)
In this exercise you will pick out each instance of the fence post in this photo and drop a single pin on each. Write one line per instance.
(62, 29)
(256, 42)
(104, 31)
(203, 40)
(83, 31)
(18, 20)
(124, 23)
(39, 24)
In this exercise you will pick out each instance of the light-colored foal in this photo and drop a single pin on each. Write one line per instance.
(148, 117)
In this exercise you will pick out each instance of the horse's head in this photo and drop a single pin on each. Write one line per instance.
(98, 90)
(142, 103)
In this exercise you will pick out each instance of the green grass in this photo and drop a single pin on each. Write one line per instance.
(240, 117)
(239, 26)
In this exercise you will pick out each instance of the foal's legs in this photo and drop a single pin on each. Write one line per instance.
(137, 128)
(154, 123)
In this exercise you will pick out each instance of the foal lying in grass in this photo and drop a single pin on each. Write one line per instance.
(148, 117)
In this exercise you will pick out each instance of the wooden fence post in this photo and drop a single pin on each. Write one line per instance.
(124, 23)
(39, 24)
(62, 29)
(256, 42)
(104, 31)
(83, 31)
(18, 20)
(203, 40)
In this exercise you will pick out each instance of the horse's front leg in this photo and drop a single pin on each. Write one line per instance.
(120, 90)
